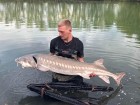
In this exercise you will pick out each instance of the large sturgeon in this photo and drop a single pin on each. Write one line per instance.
(57, 64)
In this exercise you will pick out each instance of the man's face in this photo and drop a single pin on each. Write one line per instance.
(64, 32)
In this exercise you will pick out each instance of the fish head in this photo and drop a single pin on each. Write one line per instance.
(27, 61)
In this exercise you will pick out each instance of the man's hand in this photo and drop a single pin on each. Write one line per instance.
(80, 59)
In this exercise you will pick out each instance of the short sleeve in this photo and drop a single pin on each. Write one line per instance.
(80, 53)
(52, 46)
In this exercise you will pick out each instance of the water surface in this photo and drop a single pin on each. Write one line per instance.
(108, 30)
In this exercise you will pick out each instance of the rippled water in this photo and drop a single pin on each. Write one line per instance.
(108, 30)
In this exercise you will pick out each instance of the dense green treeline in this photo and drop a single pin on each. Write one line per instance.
(87, 15)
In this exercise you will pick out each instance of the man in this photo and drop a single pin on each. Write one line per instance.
(67, 45)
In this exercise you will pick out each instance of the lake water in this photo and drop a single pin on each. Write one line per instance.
(108, 30)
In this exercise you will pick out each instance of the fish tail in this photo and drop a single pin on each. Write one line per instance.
(119, 77)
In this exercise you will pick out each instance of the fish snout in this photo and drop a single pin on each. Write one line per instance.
(16, 60)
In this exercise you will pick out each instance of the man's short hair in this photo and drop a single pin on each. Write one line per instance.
(65, 22)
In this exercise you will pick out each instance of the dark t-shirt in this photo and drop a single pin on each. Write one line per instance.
(72, 49)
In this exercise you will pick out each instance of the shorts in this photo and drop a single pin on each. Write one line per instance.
(67, 78)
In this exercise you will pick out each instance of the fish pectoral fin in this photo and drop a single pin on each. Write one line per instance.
(105, 78)
(41, 68)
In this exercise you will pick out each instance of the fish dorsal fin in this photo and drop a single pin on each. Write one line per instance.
(99, 62)
(105, 78)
